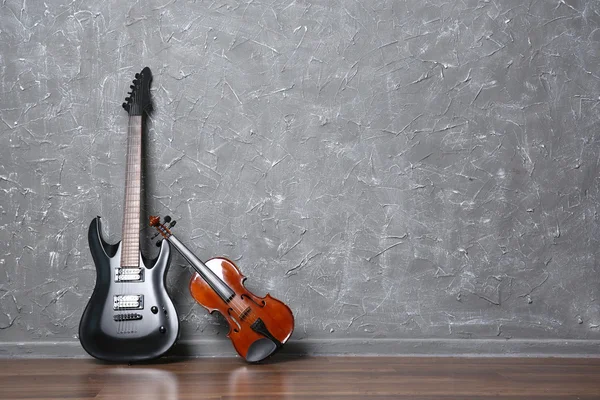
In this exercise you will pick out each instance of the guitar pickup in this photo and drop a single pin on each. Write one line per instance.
(129, 275)
(127, 317)
(128, 302)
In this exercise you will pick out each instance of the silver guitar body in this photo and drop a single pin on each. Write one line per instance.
(129, 317)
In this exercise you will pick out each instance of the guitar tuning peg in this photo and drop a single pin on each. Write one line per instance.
(131, 87)
(172, 224)
(129, 93)
(125, 106)
(137, 76)
(159, 243)
(167, 219)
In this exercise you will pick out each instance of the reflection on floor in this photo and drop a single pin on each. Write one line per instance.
(139, 383)
(304, 378)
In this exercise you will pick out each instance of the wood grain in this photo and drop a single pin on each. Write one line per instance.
(304, 378)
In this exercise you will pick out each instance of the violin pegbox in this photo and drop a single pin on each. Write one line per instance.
(162, 229)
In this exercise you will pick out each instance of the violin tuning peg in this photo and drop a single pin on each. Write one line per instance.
(167, 219)
(154, 221)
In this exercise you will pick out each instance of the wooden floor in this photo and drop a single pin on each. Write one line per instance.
(305, 378)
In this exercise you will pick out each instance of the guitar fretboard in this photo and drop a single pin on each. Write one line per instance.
(133, 181)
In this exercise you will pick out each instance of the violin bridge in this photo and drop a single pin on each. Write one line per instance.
(245, 313)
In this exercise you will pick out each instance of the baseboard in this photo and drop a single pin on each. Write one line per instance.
(344, 347)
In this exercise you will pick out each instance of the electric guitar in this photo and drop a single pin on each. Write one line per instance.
(130, 316)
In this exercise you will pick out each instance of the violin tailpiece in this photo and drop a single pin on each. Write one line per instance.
(259, 327)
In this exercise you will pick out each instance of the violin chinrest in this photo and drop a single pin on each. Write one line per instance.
(260, 349)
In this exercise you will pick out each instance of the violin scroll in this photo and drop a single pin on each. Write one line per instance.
(162, 228)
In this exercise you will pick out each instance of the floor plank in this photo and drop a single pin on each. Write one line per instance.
(348, 378)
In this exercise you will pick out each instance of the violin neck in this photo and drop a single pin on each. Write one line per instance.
(206, 273)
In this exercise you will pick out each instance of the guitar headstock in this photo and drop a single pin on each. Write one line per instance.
(139, 101)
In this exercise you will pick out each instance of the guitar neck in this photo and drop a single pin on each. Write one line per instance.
(133, 186)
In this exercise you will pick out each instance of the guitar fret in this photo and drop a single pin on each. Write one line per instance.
(132, 205)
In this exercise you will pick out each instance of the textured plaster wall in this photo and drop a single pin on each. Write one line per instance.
(398, 172)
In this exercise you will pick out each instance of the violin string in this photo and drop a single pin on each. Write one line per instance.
(235, 304)
(238, 307)
(250, 314)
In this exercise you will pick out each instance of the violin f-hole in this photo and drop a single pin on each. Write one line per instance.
(231, 316)
(261, 304)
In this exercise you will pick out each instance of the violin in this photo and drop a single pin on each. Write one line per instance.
(258, 326)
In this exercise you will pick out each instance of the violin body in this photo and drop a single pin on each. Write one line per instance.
(258, 326)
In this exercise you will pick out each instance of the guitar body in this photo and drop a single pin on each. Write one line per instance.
(125, 331)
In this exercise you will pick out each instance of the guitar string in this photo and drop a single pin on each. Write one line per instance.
(125, 240)
(134, 247)
(123, 259)
(131, 197)
(131, 245)
(127, 235)
(137, 197)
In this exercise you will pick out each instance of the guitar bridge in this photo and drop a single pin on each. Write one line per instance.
(127, 317)
(128, 302)
(129, 275)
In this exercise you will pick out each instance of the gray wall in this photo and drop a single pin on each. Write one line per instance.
(410, 177)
